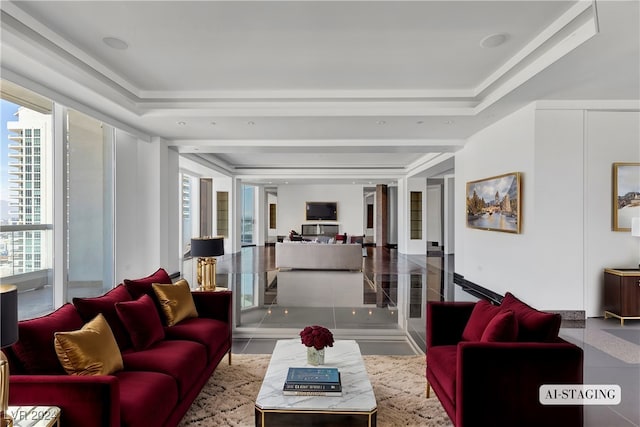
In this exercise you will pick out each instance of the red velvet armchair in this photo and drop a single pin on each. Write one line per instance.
(494, 381)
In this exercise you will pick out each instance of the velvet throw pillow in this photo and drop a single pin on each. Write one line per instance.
(35, 348)
(502, 328)
(175, 301)
(89, 308)
(90, 351)
(142, 321)
(533, 325)
(481, 315)
(139, 287)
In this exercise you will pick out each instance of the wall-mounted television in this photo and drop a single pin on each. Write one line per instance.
(324, 211)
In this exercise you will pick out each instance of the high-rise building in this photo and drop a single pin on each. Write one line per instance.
(29, 153)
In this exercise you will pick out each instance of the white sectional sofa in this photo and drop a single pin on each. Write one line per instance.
(318, 256)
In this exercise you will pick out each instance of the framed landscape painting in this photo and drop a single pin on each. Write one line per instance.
(626, 195)
(494, 203)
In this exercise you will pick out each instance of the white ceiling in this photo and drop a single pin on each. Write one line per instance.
(366, 90)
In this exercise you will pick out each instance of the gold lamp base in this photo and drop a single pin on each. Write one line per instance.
(207, 274)
(5, 419)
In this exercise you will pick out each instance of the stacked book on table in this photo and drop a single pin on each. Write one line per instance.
(313, 382)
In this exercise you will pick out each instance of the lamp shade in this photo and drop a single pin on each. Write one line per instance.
(635, 226)
(207, 247)
(8, 315)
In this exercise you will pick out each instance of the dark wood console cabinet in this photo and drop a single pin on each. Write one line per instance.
(622, 293)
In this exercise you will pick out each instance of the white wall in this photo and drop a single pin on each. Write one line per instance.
(501, 261)
(86, 204)
(291, 206)
(556, 227)
(434, 214)
(128, 237)
(565, 156)
(147, 206)
(610, 137)
(449, 209)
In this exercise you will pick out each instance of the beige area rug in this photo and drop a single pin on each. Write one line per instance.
(398, 383)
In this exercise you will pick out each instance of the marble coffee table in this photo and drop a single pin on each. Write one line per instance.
(356, 407)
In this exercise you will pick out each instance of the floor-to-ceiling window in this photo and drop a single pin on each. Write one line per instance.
(26, 195)
(56, 229)
(186, 211)
(89, 206)
(248, 214)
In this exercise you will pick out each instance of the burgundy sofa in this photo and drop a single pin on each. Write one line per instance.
(164, 369)
(486, 364)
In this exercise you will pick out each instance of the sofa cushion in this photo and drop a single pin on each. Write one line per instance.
(533, 325)
(211, 333)
(142, 321)
(105, 304)
(183, 360)
(146, 398)
(480, 317)
(175, 301)
(92, 350)
(442, 361)
(503, 327)
(35, 348)
(139, 287)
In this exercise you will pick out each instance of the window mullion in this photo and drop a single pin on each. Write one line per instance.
(60, 208)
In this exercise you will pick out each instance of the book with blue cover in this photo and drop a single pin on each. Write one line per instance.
(313, 382)
(313, 376)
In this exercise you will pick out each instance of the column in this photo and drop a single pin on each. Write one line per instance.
(382, 216)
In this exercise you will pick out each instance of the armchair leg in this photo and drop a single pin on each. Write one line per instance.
(229, 357)
(428, 390)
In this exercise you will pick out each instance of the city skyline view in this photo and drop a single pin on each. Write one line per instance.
(7, 112)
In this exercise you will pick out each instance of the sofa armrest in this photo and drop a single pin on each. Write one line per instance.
(214, 305)
(85, 401)
(498, 383)
(446, 321)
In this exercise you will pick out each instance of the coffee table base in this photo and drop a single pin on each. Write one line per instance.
(279, 418)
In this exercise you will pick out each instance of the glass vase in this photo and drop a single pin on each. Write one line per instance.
(315, 357)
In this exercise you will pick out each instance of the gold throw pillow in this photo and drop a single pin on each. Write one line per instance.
(176, 301)
(91, 350)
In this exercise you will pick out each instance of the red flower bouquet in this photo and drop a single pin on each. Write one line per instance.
(316, 336)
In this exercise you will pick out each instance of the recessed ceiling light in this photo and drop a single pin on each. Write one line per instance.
(251, 123)
(182, 123)
(494, 40)
(419, 122)
(381, 122)
(213, 123)
(115, 43)
(448, 122)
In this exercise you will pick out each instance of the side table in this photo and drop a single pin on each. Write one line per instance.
(35, 416)
(622, 293)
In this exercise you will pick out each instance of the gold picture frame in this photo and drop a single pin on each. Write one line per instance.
(495, 203)
(625, 202)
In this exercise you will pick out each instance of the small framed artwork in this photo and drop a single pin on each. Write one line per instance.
(494, 203)
(626, 195)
